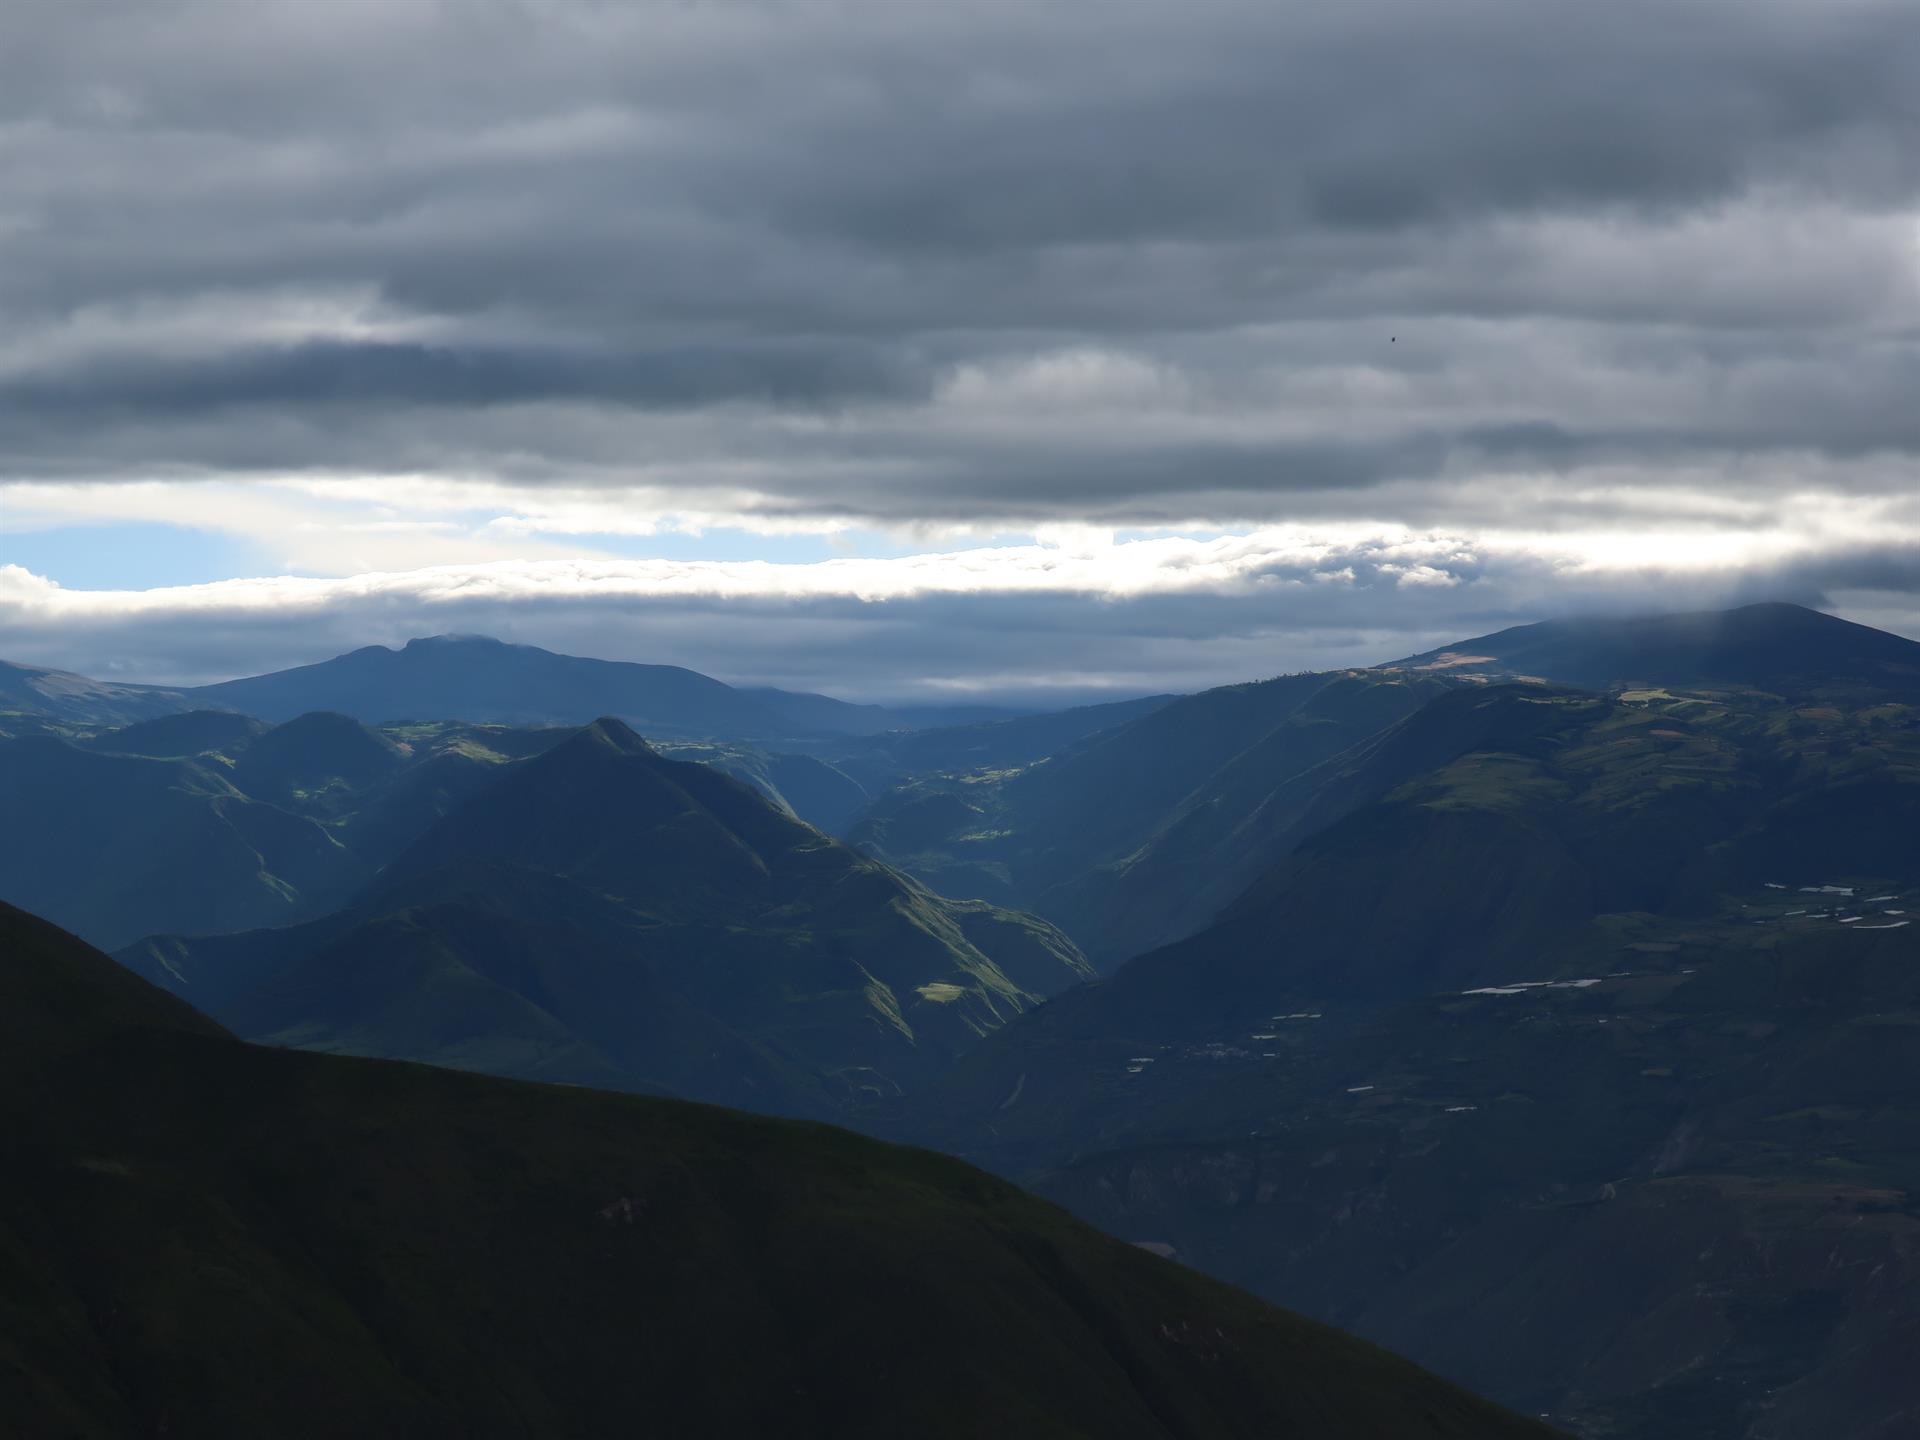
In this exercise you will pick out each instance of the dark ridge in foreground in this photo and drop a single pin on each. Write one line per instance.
(205, 1238)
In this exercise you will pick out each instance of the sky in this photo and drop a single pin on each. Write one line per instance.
(908, 350)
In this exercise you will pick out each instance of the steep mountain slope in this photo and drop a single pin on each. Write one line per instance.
(986, 745)
(1238, 821)
(1672, 1200)
(312, 752)
(807, 788)
(206, 1238)
(1141, 832)
(116, 846)
(800, 713)
(1769, 647)
(603, 913)
(1657, 1124)
(259, 827)
(171, 737)
(59, 696)
(1496, 825)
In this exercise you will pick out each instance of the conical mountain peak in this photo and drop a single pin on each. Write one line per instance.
(616, 734)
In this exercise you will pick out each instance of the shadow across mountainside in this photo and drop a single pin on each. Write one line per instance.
(601, 914)
(206, 1238)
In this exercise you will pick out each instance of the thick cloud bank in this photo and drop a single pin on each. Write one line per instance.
(1643, 274)
(1039, 622)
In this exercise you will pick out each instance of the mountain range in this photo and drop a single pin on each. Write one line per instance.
(1537, 1006)
(207, 821)
(1568, 1015)
(1143, 833)
(602, 914)
(481, 680)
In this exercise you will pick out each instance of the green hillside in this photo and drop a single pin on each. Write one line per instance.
(181, 736)
(606, 915)
(210, 1239)
(244, 825)
(30, 692)
(1587, 1019)
(116, 846)
(806, 787)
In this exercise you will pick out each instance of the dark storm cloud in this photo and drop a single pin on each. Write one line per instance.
(538, 240)
(387, 374)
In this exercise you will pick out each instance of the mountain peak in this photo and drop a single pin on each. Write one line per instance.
(479, 678)
(616, 734)
(424, 642)
(1769, 645)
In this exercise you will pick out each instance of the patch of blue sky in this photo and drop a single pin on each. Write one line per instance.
(127, 555)
(733, 543)
(1172, 532)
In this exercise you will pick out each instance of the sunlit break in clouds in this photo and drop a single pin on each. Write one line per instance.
(898, 349)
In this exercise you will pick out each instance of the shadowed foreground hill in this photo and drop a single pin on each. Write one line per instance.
(204, 1238)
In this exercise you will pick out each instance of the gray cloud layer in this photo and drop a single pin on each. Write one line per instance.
(1526, 273)
(1016, 624)
(1228, 260)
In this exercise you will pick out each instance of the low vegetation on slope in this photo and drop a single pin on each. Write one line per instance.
(205, 1238)
(1137, 834)
(604, 915)
(1595, 1031)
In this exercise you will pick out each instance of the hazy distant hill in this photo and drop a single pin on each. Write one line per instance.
(205, 1238)
(474, 678)
(55, 694)
(179, 736)
(984, 745)
(805, 786)
(456, 677)
(1139, 832)
(1769, 647)
(119, 849)
(117, 846)
(805, 713)
(601, 913)
(240, 825)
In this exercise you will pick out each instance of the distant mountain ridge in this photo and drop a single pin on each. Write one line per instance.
(1141, 831)
(482, 680)
(58, 694)
(447, 677)
(209, 821)
(1764, 646)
